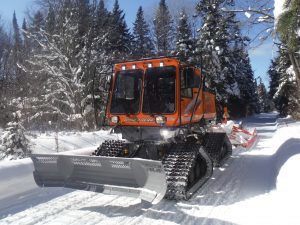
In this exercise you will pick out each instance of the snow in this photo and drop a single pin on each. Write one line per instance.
(255, 186)
(46, 142)
(248, 15)
(262, 18)
(290, 71)
(278, 8)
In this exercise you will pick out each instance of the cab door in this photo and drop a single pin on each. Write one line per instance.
(189, 87)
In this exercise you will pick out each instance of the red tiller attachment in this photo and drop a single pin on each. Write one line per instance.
(242, 137)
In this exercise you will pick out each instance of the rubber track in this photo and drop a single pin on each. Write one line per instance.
(178, 164)
(213, 143)
(111, 148)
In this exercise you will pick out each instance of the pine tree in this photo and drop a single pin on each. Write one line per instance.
(263, 99)
(247, 102)
(274, 77)
(163, 29)
(286, 98)
(5, 47)
(288, 27)
(14, 142)
(16, 36)
(24, 24)
(38, 21)
(5, 74)
(102, 57)
(142, 45)
(184, 41)
(84, 17)
(119, 36)
(16, 58)
(206, 46)
(101, 18)
(223, 40)
(213, 46)
(50, 21)
(225, 58)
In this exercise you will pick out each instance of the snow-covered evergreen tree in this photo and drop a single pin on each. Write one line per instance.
(247, 102)
(184, 41)
(5, 73)
(38, 21)
(287, 99)
(16, 57)
(84, 18)
(274, 77)
(213, 45)
(119, 36)
(206, 45)
(14, 143)
(142, 45)
(26, 45)
(101, 20)
(163, 29)
(288, 26)
(263, 99)
(50, 21)
(225, 58)
(16, 35)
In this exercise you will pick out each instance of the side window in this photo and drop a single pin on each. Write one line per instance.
(187, 82)
(197, 81)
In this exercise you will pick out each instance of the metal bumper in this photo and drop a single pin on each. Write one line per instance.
(132, 177)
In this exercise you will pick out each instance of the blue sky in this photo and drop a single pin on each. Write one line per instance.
(260, 57)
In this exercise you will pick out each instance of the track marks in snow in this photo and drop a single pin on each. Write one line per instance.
(241, 177)
(46, 211)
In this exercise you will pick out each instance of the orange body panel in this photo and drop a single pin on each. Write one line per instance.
(205, 106)
(209, 105)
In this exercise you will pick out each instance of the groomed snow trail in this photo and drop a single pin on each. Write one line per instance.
(243, 191)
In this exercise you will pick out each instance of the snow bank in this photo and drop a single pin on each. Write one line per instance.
(67, 141)
(287, 181)
(287, 160)
(16, 177)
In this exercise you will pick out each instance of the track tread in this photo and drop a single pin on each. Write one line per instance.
(110, 148)
(218, 146)
(179, 164)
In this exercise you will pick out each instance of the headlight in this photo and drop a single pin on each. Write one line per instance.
(114, 119)
(160, 119)
(166, 134)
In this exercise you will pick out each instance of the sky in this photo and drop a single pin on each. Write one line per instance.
(260, 57)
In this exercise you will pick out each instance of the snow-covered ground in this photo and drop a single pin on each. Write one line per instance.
(66, 141)
(258, 186)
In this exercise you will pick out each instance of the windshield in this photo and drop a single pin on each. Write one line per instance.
(159, 93)
(127, 92)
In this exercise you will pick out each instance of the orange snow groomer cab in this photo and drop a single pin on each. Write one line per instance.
(161, 92)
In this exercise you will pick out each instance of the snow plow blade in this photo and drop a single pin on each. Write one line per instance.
(140, 178)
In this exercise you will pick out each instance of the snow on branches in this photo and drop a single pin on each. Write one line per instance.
(14, 143)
